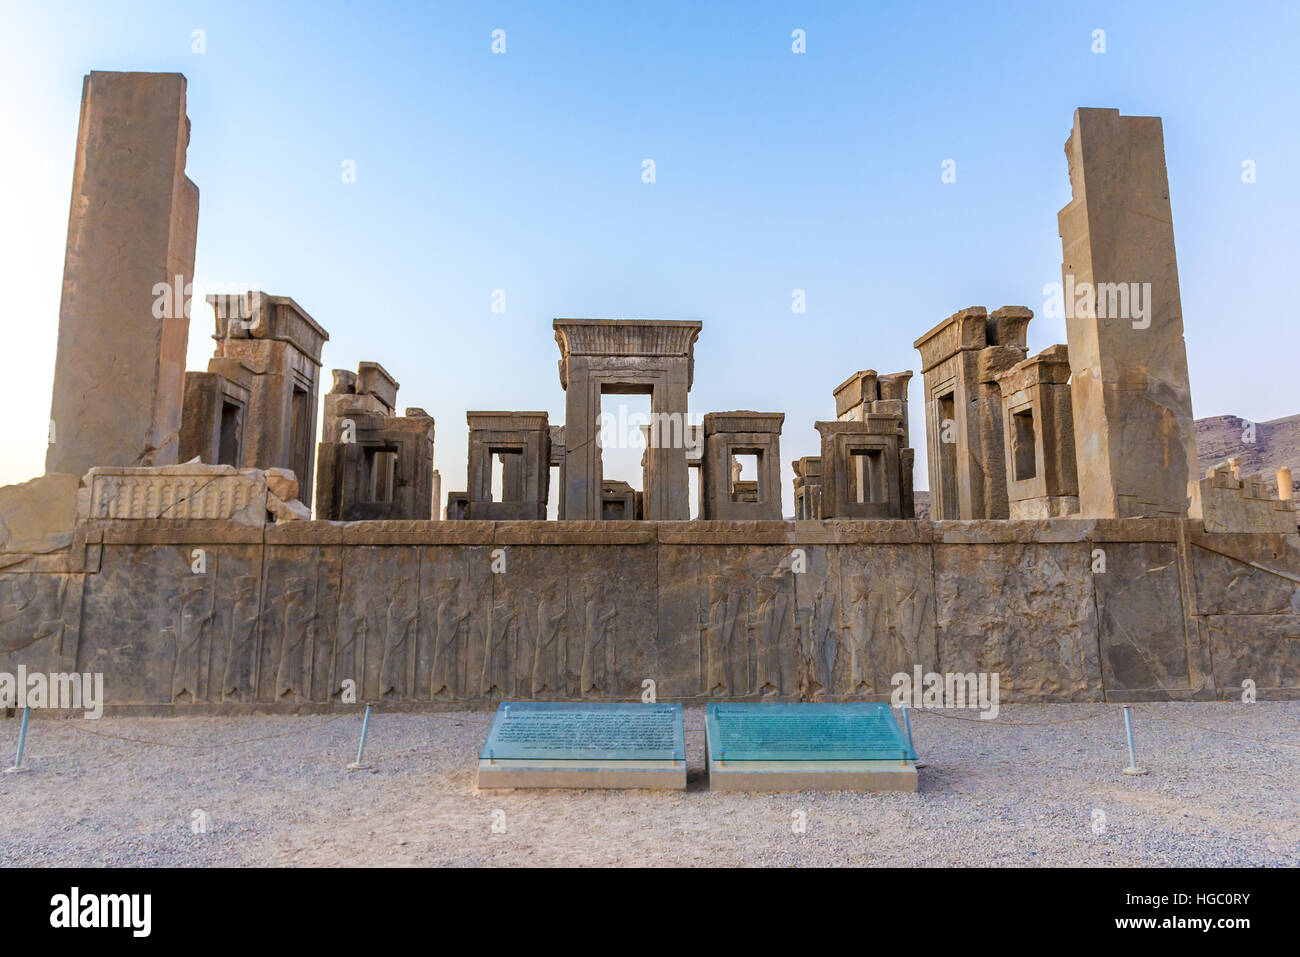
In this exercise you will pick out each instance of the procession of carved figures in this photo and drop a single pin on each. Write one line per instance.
(390, 633)
(852, 632)
(395, 626)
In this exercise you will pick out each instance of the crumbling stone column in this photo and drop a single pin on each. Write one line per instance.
(807, 487)
(119, 371)
(865, 392)
(961, 359)
(1038, 423)
(255, 407)
(373, 464)
(1133, 426)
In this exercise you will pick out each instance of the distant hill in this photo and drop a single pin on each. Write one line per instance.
(1277, 444)
(1218, 437)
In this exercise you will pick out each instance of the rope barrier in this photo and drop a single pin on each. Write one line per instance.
(1015, 724)
(1234, 734)
(206, 747)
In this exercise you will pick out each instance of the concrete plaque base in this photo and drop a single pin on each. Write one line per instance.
(668, 775)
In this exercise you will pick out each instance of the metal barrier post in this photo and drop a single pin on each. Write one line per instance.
(361, 747)
(1132, 753)
(22, 743)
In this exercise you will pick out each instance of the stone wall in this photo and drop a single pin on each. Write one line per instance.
(283, 614)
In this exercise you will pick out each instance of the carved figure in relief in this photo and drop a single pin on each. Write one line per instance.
(194, 615)
(293, 673)
(548, 666)
(237, 680)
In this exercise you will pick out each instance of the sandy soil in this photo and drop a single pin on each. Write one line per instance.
(1034, 787)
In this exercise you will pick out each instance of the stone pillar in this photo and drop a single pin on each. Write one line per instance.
(255, 407)
(119, 372)
(807, 488)
(961, 359)
(865, 392)
(372, 464)
(1136, 445)
(626, 356)
(1042, 481)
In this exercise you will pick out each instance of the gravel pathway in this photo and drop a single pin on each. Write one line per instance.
(992, 793)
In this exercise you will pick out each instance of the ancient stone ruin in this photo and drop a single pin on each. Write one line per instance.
(172, 546)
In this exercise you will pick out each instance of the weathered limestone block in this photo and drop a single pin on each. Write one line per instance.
(1263, 649)
(282, 483)
(188, 491)
(1124, 321)
(1026, 612)
(1145, 642)
(120, 367)
(1245, 573)
(290, 510)
(38, 517)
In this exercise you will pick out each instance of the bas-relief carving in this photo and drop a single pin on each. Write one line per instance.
(430, 623)
(744, 619)
(292, 651)
(241, 646)
(378, 616)
(189, 634)
(37, 607)
(455, 602)
(172, 630)
(985, 595)
(1143, 633)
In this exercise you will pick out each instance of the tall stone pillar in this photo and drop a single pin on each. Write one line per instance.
(1133, 428)
(119, 374)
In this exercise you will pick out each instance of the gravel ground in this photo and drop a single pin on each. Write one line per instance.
(1025, 789)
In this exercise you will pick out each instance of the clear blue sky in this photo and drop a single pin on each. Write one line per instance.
(775, 171)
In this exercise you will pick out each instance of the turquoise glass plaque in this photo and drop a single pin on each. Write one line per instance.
(805, 732)
(578, 731)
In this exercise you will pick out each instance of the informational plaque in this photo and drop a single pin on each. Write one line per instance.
(564, 731)
(585, 745)
(806, 732)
